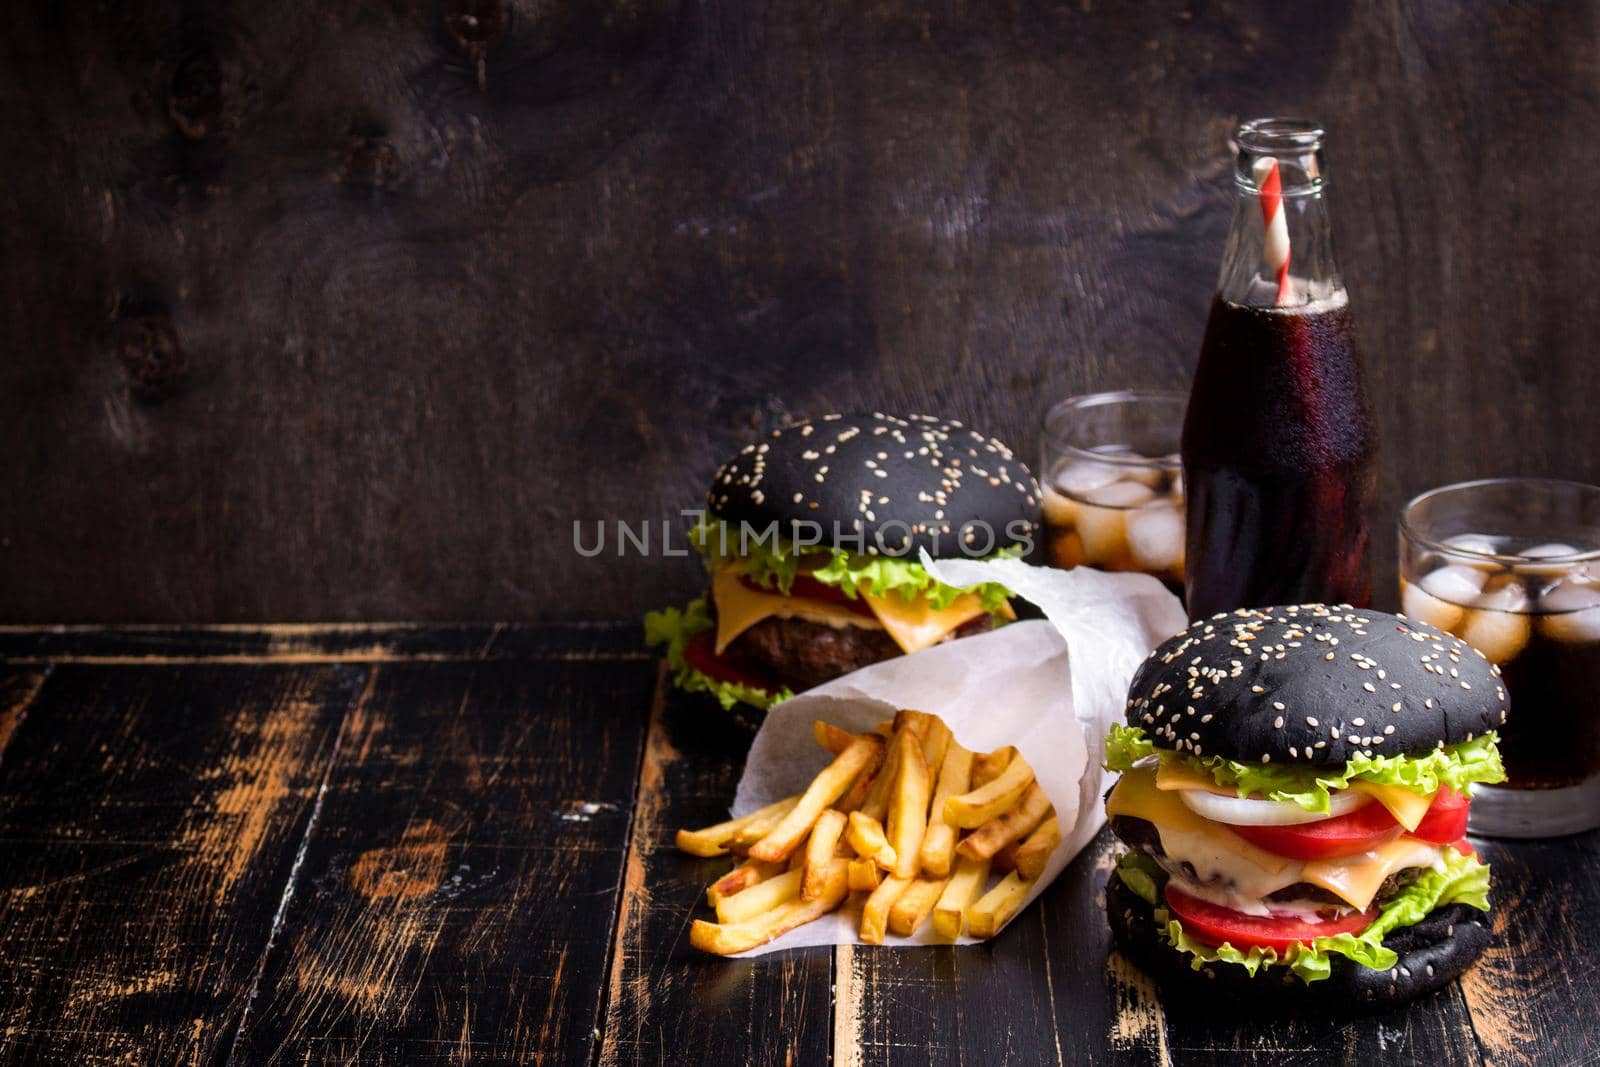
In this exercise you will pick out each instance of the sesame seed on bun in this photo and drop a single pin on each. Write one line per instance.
(899, 484)
(1314, 684)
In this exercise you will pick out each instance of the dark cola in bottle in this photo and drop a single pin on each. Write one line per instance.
(1278, 441)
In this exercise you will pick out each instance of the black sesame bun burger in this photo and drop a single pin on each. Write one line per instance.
(812, 536)
(1294, 798)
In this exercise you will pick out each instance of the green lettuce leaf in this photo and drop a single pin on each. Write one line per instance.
(1458, 766)
(774, 565)
(1464, 880)
(1125, 746)
(674, 628)
(1141, 874)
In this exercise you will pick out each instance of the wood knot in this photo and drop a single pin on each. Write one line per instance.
(195, 96)
(151, 358)
(477, 27)
(412, 868)
(371, 164)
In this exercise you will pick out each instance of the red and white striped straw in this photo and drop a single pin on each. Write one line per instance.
(1275, 249)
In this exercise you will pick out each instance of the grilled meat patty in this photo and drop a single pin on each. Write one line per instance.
(802, 654)
(1142, 836)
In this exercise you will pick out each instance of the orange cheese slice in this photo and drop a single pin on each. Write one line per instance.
(916, 624)
(1177, 774)
(1408, 808)
(1356, 878)
(739, 607)
(1138, 795)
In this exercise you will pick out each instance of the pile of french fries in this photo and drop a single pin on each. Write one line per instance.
(904, 821)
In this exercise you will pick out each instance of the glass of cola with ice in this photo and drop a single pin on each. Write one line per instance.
(1512, 567)
(1113, 483)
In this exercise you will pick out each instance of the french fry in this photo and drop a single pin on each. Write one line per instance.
(741, 877)
(1035, 852)
(939, 842)
(819, 853)
(908, 809)
(713, 840)
(865, 835)
(876, 803)
(936, 740)
(756, 830)
(875, 913)
(864, 876)
(938, 849)
(833, 738)
(964, 886)
(971, 810)
(955, 770)
(912, 908)
(1002, 830)
(886, 727)
(824, 789)
(726, 939)
(763, 896)
(996, 907)
(916, 722)
(1005, 861)
(857, 793)
(986, 766)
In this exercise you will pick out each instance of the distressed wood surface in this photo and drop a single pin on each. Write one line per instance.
(316, 643)
(1534, 1000)
(668, 1003)
(401, 844)
(351, 310)
(150, 820)
(455, 901)
(1047, 994)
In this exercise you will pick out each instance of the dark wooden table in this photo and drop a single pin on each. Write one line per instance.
(406, 844)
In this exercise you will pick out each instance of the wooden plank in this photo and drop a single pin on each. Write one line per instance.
(150, 819)
(457, 896)
(1108, 1010)
(668, 1003)
(18, 687)
(948, 1005)
(1048, 990)
(1533, 996)
(318, 643)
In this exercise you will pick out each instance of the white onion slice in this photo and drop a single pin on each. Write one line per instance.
(1247, 811)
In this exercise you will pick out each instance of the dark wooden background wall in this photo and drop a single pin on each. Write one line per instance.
(323, 310)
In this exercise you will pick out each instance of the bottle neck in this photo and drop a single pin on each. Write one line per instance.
(1280, 245)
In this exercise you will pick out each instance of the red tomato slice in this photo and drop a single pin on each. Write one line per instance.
(811, 589)
(700, 653)
(1464, 847)
(1345, 835)
(1446, 820)
(1214, 924)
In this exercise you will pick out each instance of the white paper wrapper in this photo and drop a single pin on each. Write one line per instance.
(1050, 688)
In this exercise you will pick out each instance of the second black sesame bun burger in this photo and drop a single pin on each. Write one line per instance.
(812, 538)
(1294, 797)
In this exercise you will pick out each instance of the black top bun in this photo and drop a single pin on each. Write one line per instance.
(900, 484)
(1433, 953)
(1315, 685)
